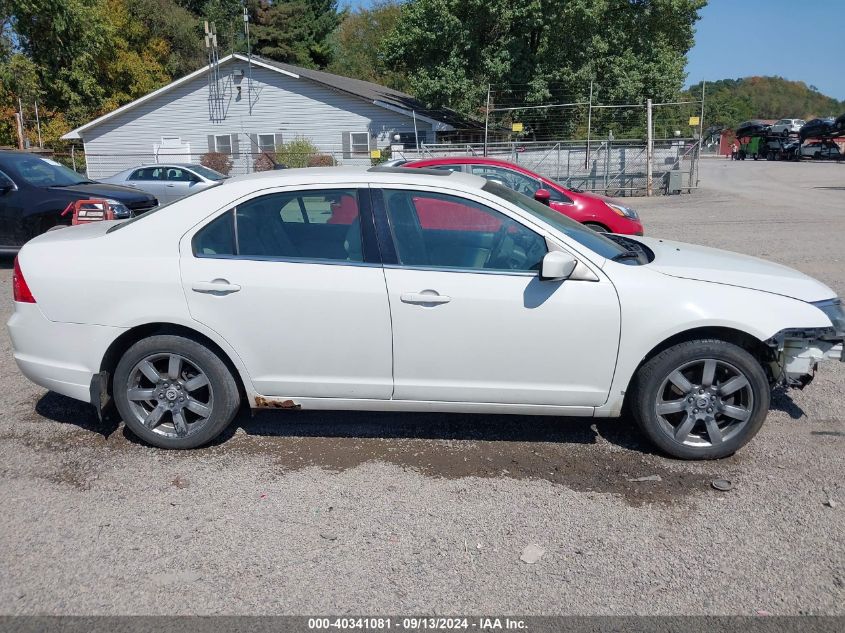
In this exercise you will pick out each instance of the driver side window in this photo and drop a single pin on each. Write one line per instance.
(443, 231)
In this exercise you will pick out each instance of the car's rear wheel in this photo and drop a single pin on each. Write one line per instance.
(701, 399)
(598, 228)
(174, 392)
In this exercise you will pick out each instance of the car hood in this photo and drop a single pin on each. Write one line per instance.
(701, 263)
(106, 190)
(594, 196)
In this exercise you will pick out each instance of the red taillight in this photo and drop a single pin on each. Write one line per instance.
(20, 291)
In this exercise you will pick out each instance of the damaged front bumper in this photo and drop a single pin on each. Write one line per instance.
(797, 353)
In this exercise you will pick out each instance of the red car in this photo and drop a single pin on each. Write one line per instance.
(598, 212)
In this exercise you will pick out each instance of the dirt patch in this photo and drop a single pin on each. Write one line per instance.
(564, 452)
(73, 472)
(583, 454)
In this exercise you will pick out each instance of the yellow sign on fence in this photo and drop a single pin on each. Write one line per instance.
(375, 153)
(694, 120)
(517, 127)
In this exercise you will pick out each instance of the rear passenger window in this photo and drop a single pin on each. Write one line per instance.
(320, 224)
(217, 238)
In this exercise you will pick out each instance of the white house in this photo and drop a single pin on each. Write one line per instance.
(246, 106)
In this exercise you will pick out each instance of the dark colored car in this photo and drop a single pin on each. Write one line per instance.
(35, 190)
(752, 128)
(600, 213)
(817, 128)
(839, 124)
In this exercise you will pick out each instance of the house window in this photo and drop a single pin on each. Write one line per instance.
(268, 142)
(356, 144)
(360, 143)
(223, 143)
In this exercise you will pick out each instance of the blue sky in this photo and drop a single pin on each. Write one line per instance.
(738, 38)
(803, 40)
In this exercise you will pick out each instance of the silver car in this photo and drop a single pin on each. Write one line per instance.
(786, 127)
(168, 181)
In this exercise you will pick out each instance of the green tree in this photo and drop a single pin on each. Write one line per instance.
(178, 27)
(67, 40)
(296, 31)
(452, 49)
(357, 45)
(732, 101)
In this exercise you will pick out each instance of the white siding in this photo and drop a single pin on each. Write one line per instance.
(281, 104)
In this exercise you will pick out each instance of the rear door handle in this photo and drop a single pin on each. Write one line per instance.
(426, 296)
(215, 287)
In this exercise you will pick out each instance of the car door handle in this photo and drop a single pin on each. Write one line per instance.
(169, 185)
(216, 287)
(428, 296)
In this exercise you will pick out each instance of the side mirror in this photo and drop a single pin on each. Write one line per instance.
(557, 266)
(543, 195)
(6, 185)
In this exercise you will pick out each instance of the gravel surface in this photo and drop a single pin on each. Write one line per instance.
(328, 513)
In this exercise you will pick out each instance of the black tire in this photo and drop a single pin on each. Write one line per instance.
(652, 378)
(223, 398)
(598, 228)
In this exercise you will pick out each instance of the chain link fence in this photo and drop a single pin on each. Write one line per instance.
(100, 165)
(616, 167)
(616, 149)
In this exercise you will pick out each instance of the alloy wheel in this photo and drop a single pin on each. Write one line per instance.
(170, 395)
(704, 403)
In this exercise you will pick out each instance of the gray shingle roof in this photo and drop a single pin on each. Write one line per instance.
(374, 92)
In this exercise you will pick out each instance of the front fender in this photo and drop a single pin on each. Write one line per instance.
(657, 307)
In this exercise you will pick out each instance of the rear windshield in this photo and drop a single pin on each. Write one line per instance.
(578, 232)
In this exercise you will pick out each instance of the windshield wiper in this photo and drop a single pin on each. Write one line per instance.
(625, 255)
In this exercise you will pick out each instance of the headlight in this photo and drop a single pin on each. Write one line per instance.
(625, 212)
(121, 211)
(835, 311)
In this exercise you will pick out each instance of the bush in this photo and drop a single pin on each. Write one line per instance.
(297, 152)
(265, 161)
(320, 160)
(217, 161)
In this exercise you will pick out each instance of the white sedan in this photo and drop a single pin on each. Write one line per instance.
(409, 290)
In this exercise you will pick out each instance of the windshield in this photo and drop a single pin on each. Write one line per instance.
(205, 172)
(42, 172)
(596, 242)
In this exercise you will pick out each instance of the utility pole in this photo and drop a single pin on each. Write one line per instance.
(416, 136)
(19, 127)
(38, 125)
(700, 135)
(249, 58)
(486, 119)
(589, 123)
(22, 124)
(649, 150)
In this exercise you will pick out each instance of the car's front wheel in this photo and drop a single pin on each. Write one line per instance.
(701, 399)
(174, 392)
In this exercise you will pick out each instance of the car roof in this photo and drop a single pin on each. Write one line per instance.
(145, 165)
(373, 175)
(464, 160)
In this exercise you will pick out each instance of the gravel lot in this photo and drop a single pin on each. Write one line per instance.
(315, 513)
